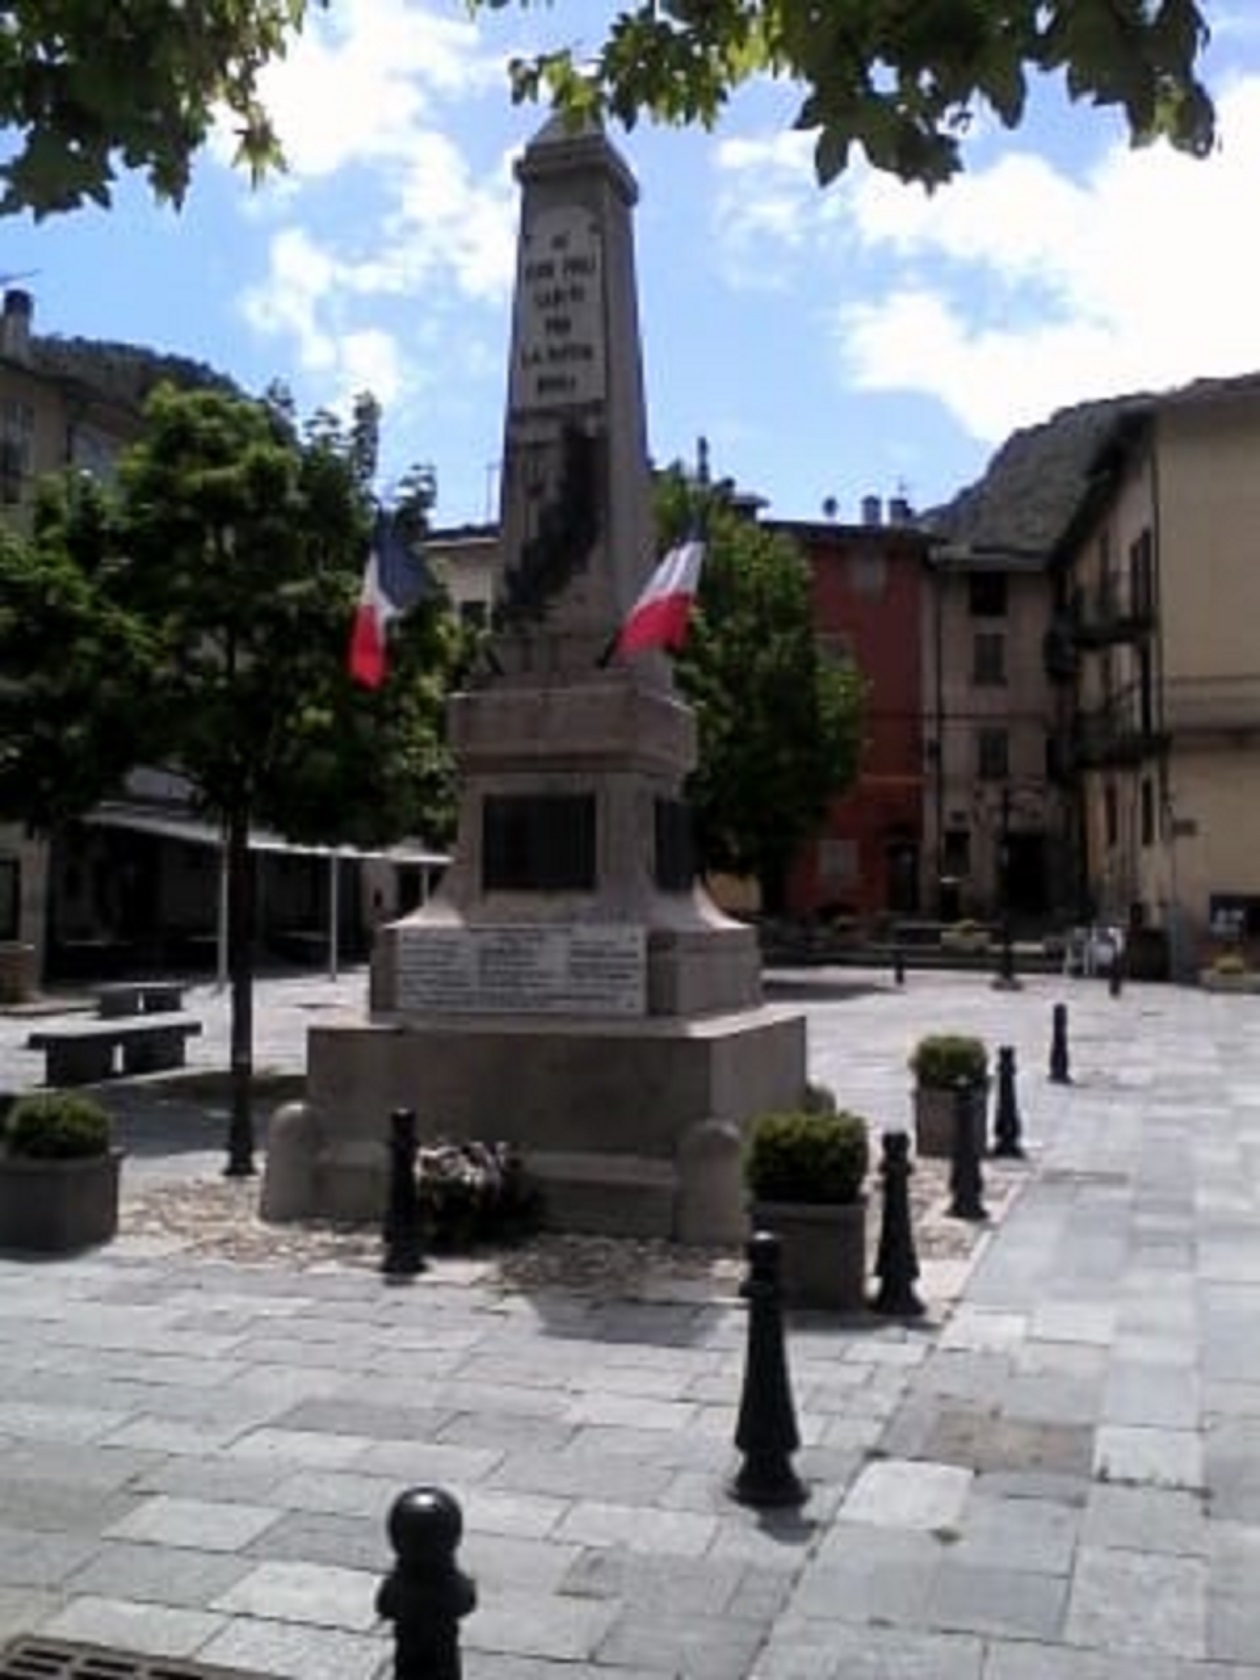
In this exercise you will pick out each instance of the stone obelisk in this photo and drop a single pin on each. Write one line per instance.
(571, 986)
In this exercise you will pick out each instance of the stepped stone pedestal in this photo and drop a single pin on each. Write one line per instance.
(571, 988)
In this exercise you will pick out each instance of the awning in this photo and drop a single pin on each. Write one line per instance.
(194, 831)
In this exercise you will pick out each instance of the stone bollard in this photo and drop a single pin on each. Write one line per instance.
(1059, 1074)
(1006, 1125)
(402, 1255)
(966, 1179)
(896, 1263)
(766, 1432)
(426, 1593)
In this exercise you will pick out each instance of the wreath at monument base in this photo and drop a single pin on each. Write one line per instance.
(471, 1193)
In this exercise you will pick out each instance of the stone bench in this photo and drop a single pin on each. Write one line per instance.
(87, 1051)
(139, 997)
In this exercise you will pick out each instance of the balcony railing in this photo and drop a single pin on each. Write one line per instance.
(1112, 736)
(1104, 617)
(1212, 705)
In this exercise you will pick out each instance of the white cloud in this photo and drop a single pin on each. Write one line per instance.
(360, 79)
(381, 203)
(1019, 288)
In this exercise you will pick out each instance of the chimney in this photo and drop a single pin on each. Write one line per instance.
(899, 512)
(871, 510)
(15, 325)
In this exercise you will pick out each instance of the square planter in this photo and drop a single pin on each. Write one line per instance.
(823, 1251)
(934, 1119)
(58, 1207)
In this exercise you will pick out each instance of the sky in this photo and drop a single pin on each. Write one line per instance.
(863, 339)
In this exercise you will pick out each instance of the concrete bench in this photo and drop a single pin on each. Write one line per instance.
(139, 997)
(87, 1051)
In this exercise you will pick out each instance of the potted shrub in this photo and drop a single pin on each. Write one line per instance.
(806, 1171)
(58, 1174)
(940, 1061)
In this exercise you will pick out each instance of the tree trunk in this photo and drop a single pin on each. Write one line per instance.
(240, 1162)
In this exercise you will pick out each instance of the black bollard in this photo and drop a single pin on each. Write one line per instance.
(426, 1593)
(1115, 975)
(766, 1431)
(1059, 1074)
(899, 965)
(896, 1263)
(403, 1256)
(966, 1179)
(1006, 1125)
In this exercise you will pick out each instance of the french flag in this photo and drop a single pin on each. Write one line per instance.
(395, 579)
(660, 616)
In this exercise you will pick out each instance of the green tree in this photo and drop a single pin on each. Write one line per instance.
(901, 79)
(779, 721)
(86, 88)
(214, 592)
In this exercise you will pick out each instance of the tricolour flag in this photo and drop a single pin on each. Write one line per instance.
(659, 618)
(395, 579)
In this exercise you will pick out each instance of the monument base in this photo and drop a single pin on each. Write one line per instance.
(630, 1127)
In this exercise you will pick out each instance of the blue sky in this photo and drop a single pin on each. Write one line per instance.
(869, 338)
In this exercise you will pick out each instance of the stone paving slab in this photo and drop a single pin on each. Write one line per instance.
(1059, 1476)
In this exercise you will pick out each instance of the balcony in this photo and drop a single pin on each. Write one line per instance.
(1226, 705)
(1111, 737)
(1105, 617)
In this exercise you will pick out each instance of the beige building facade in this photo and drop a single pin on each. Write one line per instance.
(1159, 579)
(47, 422)
(994, 821)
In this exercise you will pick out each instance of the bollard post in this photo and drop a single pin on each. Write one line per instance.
(896, 1263)
(1115, 975)
(966, 1179)
(426, 1593)
(766, 1431)
(402, 1255)
(899, 965)
(1059, 1074)
(1006, 1125)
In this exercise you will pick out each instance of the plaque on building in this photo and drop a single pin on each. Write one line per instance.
(538, 842)
(559, 336)
(524, 970)
(675, 846)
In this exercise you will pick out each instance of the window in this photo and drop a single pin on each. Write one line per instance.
(17, 433)
(868, 574)
(473, 614)
(988, 660)
(10, 882)
(1148, 813)
(987, 594)
(992, 755)
(838, 862)
(956, 852)
(1141, 575)
(1111, 815)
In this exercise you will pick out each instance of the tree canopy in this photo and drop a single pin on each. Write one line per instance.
(900, 79)
(195, 618)
(779, 721)
(88, 89)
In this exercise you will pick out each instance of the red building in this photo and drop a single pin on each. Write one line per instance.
(868, 583)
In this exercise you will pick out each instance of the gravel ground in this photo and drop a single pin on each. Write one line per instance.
(207, 1214)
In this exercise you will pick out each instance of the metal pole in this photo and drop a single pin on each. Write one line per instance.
(221, 929)
(334, 911)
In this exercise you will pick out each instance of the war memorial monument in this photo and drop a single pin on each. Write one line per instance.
(570, 988)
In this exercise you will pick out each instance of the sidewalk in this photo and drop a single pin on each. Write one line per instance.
(1061, 1478)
